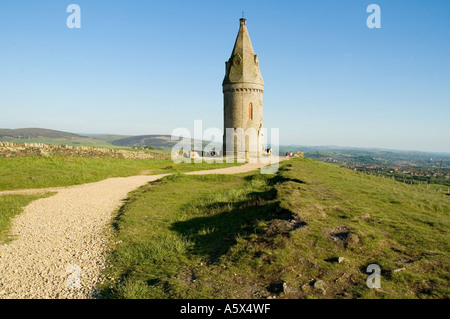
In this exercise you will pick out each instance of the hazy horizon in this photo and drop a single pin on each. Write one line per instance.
(343, 147)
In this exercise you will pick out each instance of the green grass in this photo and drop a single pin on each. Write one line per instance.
(243, 236)
(171, 225)
(41, 172)
(388, 223)
(10, 206)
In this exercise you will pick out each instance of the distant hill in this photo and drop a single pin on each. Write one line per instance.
(158, 141)
(46, 136)
(32, 133)
(106, 137)
(145, 140)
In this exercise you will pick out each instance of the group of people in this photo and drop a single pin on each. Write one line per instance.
(289, 154)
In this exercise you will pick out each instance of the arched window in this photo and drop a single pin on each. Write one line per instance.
(250, 111)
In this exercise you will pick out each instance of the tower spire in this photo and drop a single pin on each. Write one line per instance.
(243, 65)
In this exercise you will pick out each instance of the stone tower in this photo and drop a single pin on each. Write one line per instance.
(243, 88)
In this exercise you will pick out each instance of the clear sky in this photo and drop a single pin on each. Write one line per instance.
(148, 67)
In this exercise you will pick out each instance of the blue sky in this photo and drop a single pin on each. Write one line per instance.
(148, 67)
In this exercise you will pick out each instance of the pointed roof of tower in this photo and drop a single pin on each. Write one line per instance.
(243, 65)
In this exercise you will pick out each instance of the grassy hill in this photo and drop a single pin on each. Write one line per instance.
(153, 140)
(27, 133)
(46, 136)
(310, 231)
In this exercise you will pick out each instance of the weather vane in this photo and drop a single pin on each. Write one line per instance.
(242, 14)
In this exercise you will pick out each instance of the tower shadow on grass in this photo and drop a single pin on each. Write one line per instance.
(214, 235)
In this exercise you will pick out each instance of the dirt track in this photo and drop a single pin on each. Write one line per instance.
(60, 244)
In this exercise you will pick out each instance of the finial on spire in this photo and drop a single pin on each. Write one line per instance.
(243, 20)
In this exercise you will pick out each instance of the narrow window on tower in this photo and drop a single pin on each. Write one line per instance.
(250, 111)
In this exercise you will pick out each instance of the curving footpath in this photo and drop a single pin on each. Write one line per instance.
(60, 242)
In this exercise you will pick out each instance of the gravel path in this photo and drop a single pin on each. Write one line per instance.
(60, 244)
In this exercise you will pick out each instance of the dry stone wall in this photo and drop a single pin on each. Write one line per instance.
(37, 149)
